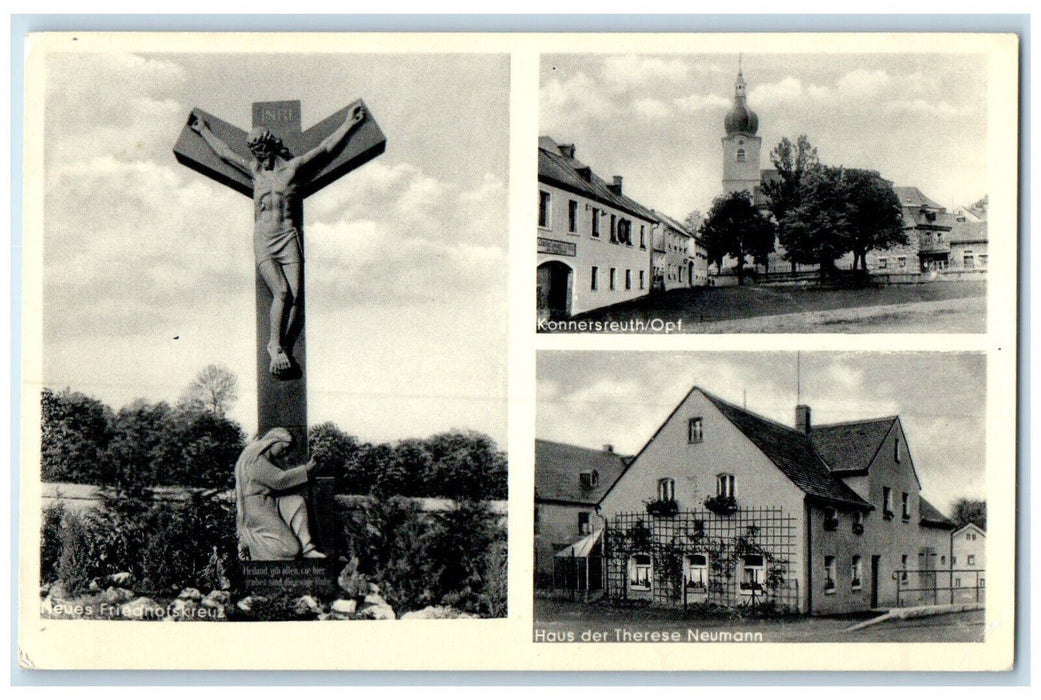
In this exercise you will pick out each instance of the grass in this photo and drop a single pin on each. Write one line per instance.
(907, 305)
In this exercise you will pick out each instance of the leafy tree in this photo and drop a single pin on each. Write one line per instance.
(793, 162)
(468, 465)
(333, 451)
(970, 510)
(692, 221)
(736, 227)
(816, 231)
(141, 451)
(981, 204)
(200, 451)
(874, 217)
(841, 211)
(76, 432)
(412, 460)
(215, 389)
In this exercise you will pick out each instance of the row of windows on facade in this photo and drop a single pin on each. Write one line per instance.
(724, 487)
(753, 572)
(621, 228)
(612, 278)
(969, 261)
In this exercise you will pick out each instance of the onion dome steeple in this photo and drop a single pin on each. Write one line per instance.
(740, 119)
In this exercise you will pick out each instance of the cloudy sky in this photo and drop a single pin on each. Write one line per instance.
(622, 398)
(657, 120)
(406, 294)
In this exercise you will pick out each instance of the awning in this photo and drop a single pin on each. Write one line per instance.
(582, 548)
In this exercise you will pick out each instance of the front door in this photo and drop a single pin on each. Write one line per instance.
(553, 290)
(875, 564)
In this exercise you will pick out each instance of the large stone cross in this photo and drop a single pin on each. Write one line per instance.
(282, 397)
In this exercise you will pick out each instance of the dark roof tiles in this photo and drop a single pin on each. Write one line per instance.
(556, 168)
(558, 466)
(850, 446)
(792, 452)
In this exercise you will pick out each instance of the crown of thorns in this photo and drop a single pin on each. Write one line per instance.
(262, 135)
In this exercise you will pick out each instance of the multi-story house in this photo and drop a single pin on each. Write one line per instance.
(569, 482)
(594, 243)
(671, 259)
(724, 506)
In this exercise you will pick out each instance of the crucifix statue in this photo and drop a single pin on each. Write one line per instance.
(278, 165)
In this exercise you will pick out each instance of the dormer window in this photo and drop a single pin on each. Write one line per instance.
(694, 430)
(589, 479)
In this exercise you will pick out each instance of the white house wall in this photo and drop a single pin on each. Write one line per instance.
(724, 448)
(590, 251)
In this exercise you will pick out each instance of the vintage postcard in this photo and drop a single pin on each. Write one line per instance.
(280, 374)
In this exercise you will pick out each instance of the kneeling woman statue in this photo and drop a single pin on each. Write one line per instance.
(271, 518)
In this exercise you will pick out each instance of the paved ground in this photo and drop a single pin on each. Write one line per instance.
(934, 307)
(561, 617)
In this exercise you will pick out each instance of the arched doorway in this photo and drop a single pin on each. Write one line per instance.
(554, 290)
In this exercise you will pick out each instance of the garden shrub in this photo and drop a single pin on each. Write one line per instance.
(50, 541)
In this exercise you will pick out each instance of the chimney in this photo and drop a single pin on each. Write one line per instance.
(608, 448)
(616, 186)
(567, 150)
(802, 419)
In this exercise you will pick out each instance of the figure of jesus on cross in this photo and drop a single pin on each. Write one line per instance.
(276, 233)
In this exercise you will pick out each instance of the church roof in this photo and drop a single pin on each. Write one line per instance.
(564, 171)
(740, 119)
(558, 467)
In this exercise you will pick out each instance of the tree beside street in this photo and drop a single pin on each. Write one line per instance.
(737, 228)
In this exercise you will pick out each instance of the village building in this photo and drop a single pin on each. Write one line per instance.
(968, 557)
(569, 483)
(724, 506)
(673, 255)
(594, 243)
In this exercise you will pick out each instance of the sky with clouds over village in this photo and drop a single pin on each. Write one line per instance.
(657, 120)
(622, 399)
(406, 256)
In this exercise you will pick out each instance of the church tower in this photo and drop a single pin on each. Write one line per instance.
(741, 146)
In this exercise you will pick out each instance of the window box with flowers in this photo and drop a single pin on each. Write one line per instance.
(662, 508)
(721, 505)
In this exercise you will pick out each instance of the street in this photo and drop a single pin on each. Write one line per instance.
(562, 617)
